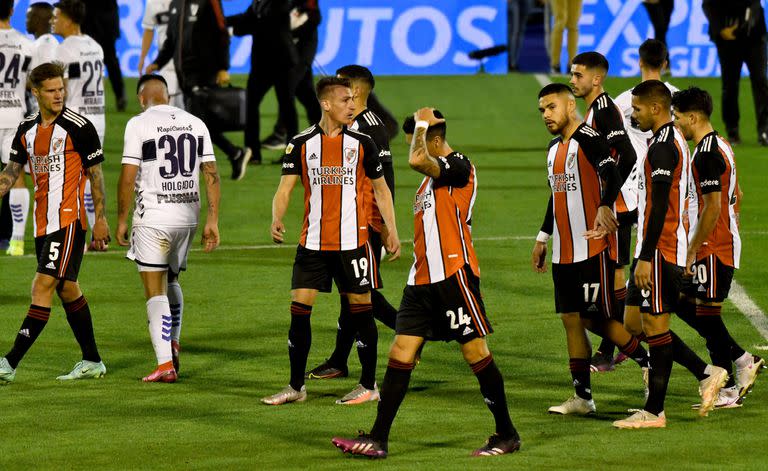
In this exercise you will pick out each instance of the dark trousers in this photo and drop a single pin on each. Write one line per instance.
(112, 65)
(264, 76)
(517, 19)
(217, 137)
(660, 14)
(732, 55)
(304, 91)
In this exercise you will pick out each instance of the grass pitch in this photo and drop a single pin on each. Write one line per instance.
(236, 321)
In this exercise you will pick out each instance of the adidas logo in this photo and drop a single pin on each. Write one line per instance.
(646, 303)
(364, 282)
(313, 156)
(360, 344)
(24, 332)
(488, 401)
(592, 308)
(467, 331)
(50, 266)
(702, 289)
(290, 344)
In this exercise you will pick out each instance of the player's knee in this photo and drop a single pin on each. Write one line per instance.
(571, 320)
(404, 349)
(475, 351)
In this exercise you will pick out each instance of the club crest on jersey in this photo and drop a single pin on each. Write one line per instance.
(58, 145)
(350, 155)
(571, 159)
(289, 148)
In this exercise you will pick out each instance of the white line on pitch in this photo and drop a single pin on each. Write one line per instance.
(747, 306)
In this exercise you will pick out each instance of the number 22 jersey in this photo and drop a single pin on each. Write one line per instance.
(83, 61)
(168, 145)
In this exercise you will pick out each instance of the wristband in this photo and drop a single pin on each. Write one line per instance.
(422, 124)
(543, 237)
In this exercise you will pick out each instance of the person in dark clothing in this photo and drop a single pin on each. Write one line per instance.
(737, 27)
(660, 14)
(198, 42)
(273, 58)
(102, 23)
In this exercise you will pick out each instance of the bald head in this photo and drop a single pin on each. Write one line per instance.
(152, 91)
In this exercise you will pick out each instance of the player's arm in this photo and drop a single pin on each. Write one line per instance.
(213, 196)
(125, 189)
(598, 153)
(8, 177)
(280, 206)
(663, 161)
(384, 200)
(98, 193)
(709, 167)
(618, 140)
(146, 43)
(539, 254)
(418, 156)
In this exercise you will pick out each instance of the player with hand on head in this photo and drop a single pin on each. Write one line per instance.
(165, 151)
(62, 149)
(442, 299)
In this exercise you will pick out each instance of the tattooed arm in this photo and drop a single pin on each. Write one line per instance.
(100, 227)
(8, 177)
(418, 157)
(213, 195)
(125, 193)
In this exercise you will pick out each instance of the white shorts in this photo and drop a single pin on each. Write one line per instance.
(161, 248)
(6, 140)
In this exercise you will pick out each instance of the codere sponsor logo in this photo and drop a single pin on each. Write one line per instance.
(95, 154)
(661, 171)
(705, 183)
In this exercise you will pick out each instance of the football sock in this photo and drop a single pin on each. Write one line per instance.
(718, 338)
(580, 374)
(160, 325)
(660, 347)
(492, 389)
(686, 310)
(79, 318)
(382, 310)
(345, 336)
(683, 355)
(33, 324)
(367, 342)
(635, 351)
(90, 210)
(299, 341)
(736, 350)
(19, 201)
(606, 346)
(176, 302)
(393, 390)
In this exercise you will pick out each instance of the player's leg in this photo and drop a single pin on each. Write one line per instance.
(572, 24)
(336, 365)
(80, 321)
(560, 13)
(160, 323)
(19, 203)
(383, 311)
(176, 303)
(579, 353)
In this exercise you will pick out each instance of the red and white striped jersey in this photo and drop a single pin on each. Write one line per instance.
(442, 214)
(58, 156)
(713, 169)
(667, 161)
(333, 172)
(574, 168)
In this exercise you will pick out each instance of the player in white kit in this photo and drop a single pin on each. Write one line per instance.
(16, 61)
(83, 61)
(38, 24)
(165, 149)
(156, 16)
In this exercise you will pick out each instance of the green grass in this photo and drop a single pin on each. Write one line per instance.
(236, 322)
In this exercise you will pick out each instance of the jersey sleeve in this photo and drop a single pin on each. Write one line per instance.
(65, 56)
(132, 145)
(292, 158)
(18, 149)
(371, 162)
(610, 123)
(710, 166)
(663, 160)
(455, 170)
(381, 139)
(87, 143)
(595, 147)
(149, 20)
(206, 149)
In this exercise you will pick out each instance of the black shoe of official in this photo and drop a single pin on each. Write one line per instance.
(274, 142)
(495, 445)
(326, 371)
(239, 162)
(121, 104)
(734, 139)
(762, 139)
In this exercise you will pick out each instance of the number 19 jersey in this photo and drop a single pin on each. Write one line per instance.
(168, 145)
(83, 61)
(16, 52)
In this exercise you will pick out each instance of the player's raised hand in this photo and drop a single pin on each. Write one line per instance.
(121, 234)
(428, 115)
(606, 220)
(210, 237)
(278, 232)
(539, 257)
(643, 275)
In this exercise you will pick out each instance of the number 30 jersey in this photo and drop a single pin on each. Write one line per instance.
(83, 61)
(16, 52)
(168, 145)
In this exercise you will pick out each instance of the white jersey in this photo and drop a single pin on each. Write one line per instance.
(168, 145)
(45, 49)
(16, 54)
(83, 60)
(156, 16)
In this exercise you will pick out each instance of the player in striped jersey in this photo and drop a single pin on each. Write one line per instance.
(714, 247)
(332, 162)
(367, 122)
(660, 255)
(84, 62)
(585, 183)
(441, 300)
(62, 150)
(588, 73)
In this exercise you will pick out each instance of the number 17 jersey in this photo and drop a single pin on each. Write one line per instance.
(168, 145)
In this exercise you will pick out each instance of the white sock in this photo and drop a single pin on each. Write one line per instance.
(90, 211)
(159, 316)
(176, 301)
(19, 201)
(744, 360)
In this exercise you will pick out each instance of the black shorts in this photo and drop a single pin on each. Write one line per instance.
(667, 279)
(451, 309)
(375, 243)
(352, 270)
(585, 287)
(626, 221)
(60, 253)
(711, 281)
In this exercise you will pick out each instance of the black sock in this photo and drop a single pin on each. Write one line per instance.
(606, 346)
(636, 352)
(368, 341)
(31, 326)
(718, 338)
(299, 341)
(580, 374)
(382, 310)
(492, 389)
(79, 318)
(684, 356)
(393, 390)
(660, 347)
(736, 350)
(686, 310)
(345, 337)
